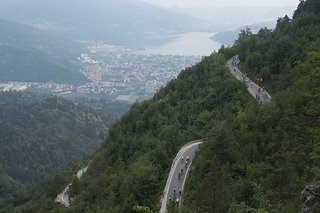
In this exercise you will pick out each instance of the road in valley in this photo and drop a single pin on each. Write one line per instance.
(255, 90)
(178, 181)
(63, 197)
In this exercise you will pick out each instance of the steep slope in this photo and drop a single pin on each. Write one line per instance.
(10, 190)
(28, 54)
(123, 22)
(131, 168)
(260, 160)
(255, 158)
(39, 134)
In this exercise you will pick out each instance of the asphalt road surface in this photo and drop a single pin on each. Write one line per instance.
(63, 197)
(255, 90)
(176, 182)
(180, 167)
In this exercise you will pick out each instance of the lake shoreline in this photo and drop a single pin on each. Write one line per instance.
(187, 44)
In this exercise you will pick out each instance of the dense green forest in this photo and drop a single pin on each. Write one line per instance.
(41, 133)
(256, 158)
(260, 159)
(29, 54)
(13, 193)
(10, 191)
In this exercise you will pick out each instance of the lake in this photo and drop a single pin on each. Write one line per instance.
(193, 43)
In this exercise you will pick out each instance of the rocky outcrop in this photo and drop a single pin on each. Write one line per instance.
(310, 198)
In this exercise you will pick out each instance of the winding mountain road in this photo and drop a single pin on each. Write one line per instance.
(63, 197)
(260, 94)
(173, 191)
(175, 182)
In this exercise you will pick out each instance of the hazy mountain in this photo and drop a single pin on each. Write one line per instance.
(234, 17)
(228, 37)
(216, 25)
(29, 54)
(122, 21)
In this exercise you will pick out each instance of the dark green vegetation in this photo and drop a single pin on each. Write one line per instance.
(28, 54)
(227, 38)
(132, 166)
(261, 158)
(255, 158)
(114, 108)
(39, 134)
(10, 191)
(13, 193)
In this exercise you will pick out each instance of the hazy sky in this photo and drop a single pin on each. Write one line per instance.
(225, 3)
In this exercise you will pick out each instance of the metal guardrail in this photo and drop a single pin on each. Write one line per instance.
(263, 97)
(64, 193)
(169, 179)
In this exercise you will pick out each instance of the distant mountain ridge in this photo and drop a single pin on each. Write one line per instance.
(237, 16)
(121, 22)
(228, 37)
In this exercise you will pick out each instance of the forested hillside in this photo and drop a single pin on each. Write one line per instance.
(30, 55)
(132, 166)
(256, 158)
(39, 134)
(10, 191)
(261, 159)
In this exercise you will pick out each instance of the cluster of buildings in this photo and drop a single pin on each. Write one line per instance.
(116, 72)
(129, 73)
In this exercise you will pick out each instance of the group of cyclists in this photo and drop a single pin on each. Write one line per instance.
(235, 61)
(261, 95)
(177, 200)
(174, 194)
(187, 160)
